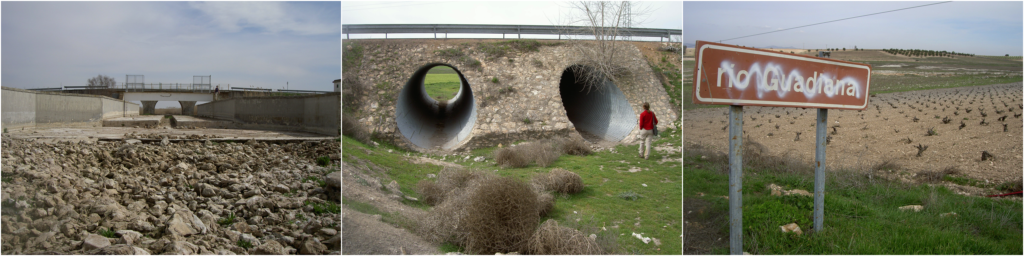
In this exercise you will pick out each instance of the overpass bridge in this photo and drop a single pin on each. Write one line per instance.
(184, 93)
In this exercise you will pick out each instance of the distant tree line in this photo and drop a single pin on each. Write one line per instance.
(925, 53)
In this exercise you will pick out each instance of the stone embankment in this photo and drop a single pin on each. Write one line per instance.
(128, 197)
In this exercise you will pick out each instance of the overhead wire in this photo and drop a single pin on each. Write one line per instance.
(819, 23)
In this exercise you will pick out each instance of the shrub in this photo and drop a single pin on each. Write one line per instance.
(629, 195)
(494, 79)
(551, 238)
(501, 216)
(575, 146)
(560, 180)
(545, 203)
(244, 244)
(352, 128)
(511, 157)
(430, 192)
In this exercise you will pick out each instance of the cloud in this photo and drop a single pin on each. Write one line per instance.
(273, 17)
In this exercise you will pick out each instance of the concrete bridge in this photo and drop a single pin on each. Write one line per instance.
(511, 96)
(185, 94)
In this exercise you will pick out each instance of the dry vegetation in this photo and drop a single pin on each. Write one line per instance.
(542, 152)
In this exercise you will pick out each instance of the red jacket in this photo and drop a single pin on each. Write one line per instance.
(645, 120)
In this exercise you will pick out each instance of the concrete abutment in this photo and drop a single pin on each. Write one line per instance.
(518, 95)
(188, 108)
(149, 107)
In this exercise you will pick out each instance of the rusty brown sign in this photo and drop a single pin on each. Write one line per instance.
(733, 75)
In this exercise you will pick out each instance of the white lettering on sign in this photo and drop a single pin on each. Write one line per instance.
(769, 77)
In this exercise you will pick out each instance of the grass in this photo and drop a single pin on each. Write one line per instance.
(442, 83)
(227, 221)
(323, 160)
(244, 244)
(605, 175)
(861, 214)
(326, 207)
(108, 233)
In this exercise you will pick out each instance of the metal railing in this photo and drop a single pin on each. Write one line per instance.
(184, 87)
(496, 29)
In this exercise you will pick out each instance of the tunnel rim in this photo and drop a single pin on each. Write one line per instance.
(465, 93)
(608, 86)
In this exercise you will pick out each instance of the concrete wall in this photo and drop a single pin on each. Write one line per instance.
(507, 90)
(24, 108)
(19, 108)
(317, 114)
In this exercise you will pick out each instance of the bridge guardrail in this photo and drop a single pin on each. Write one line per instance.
(496, 29)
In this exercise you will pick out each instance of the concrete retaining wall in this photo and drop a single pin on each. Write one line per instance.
(19, 108)
(317, 114)
(24, 108)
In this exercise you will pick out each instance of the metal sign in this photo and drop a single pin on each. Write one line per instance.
(733, 75)
(738, 76)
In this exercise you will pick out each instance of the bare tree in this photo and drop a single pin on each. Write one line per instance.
(102, 81)
(600, 57)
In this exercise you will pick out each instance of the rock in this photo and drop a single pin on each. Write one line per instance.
(799, 192)
(280, 188)
(181, 248)
(132, 141)
(241, 227)
(334, 180)
(251, 239)
(128, 237)
(791, 227)
(120, 249)
(287, 240)
(312, 246)
(948, 214)
(94, 241)
(164, 141)
(206, 190)
(776, 189)
(478, 159)
(393, 187)
(334, 242)
(185, 224)
(327, 232)
(270, 248)
(915, 208)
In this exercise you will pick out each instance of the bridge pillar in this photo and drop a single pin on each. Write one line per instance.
(148, 107)
(187, 107)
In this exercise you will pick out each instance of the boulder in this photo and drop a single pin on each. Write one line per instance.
(120, 249)
(915, 208)
(270, 248)
(128, 237)
(791, 227)
(181, 248)
(312, 246)
(94, 241)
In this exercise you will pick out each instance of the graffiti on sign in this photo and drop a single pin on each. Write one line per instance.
(733, 75)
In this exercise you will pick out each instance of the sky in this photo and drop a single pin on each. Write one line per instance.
(982, 28)
(241, 44)
(665, 15)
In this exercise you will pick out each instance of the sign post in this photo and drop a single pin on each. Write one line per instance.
(740, 76)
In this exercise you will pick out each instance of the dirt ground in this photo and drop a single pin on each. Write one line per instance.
(118, 133)
(886, 130)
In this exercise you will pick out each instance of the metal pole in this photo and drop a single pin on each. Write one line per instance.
(819, 169)
(736, 180)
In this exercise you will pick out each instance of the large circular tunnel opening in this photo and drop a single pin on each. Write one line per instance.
(429, 123)
(598, 110)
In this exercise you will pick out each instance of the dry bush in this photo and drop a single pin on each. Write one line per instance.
(551, 238)
(501, 216)
(757, 156)
(560, 180)
(352, 128)
(938, 176)
(445, 222)
(541, 152)
(887, 165)
(545, 203)
(544, 153)
(575, 146)
(430, 192)
(511, 157)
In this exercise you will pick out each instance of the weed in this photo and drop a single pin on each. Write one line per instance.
(227, 221)
(300, 216)
(323, 160)
(244, 244)
(551, 238)
(494, 79)
(108, 233)
(560, 180)
(537, 63)
(448, 247)
(315, 179)
(501, 216)
(932, 132)
(326, 207)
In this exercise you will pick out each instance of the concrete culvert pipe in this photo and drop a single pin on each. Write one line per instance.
(601, 113)
(428, 123)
